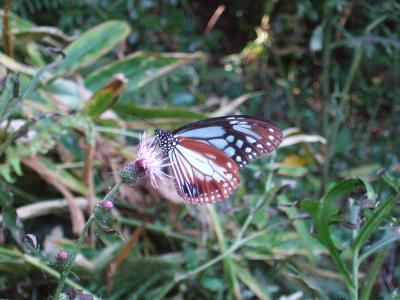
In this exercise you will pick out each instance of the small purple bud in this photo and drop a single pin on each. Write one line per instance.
(107, 205)
(62, 255)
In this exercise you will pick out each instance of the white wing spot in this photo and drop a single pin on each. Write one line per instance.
(229, 151)
(248, 150)
(259, 146)
(239, 143)
(229, 164)
(250, 139)
(271, 130)
(250, 156)
(230, 138)
(233, 122)
(268, 144)
(271, 137)
(238, 158)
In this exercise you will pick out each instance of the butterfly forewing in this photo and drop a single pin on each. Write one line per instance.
(242, 138)
(203, 174)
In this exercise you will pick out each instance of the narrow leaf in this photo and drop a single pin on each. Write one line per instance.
(140, 69)
(325, 216)
(92, 45)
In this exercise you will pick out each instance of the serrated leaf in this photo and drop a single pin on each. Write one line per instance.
(13, 159)
(9, 214)
(92, 45)
(373, 222)
(5, 172)
(324, 218)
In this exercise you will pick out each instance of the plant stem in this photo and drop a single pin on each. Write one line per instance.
(71, 260)
(82, 236)
(38, 263)
(326, 63)
(354, 217)
(259, 204)
(229, 269)
(354, 288)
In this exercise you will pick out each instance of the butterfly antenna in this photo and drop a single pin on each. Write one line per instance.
(139, 117)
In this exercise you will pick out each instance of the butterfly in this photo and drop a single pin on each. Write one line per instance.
(206, 156)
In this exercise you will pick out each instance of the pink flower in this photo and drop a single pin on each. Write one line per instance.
(62, 255)
(107, 205)
(149, 160)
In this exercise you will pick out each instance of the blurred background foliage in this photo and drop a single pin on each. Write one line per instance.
(327, 72)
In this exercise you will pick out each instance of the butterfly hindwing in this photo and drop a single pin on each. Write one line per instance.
(242, 138)
(203, 174)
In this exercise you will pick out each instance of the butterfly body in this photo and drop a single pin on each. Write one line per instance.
(206, 156)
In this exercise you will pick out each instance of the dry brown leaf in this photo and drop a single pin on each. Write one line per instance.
(77, 218)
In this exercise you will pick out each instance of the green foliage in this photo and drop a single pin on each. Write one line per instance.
(81, 76)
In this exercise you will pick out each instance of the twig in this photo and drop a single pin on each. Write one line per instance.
(8, 43)
(214, 18)
(88, 178)
(77, 217)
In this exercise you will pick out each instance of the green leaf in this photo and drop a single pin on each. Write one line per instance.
(300, 226)
(66, 177)
(5, 172)
(127, 111)
(16, 66)
(212, 283)
(373, 222)
(391, 181)
(140, 69)
(13, 159)
(9, 214)
(373, 271)
(248, 279)
(16, 22)
(105, 97)
(92, 45)
(324, 217)
(310, 207)
(7, 97)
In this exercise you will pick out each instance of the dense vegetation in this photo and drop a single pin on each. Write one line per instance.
(316, 220)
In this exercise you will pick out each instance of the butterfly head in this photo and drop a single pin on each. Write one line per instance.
(166, 140)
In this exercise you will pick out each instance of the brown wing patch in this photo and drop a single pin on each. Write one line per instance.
(203, 174)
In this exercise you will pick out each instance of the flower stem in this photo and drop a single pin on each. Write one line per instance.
(70, 262)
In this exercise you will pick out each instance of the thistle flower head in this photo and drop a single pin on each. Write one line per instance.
(149, 160)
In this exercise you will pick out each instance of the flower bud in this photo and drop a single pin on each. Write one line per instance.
(107, 205)
(132, 171)
(62, 255)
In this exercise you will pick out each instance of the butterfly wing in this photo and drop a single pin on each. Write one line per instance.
(203, 174)
(242, 138)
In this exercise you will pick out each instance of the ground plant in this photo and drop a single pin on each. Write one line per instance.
(81, 83)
